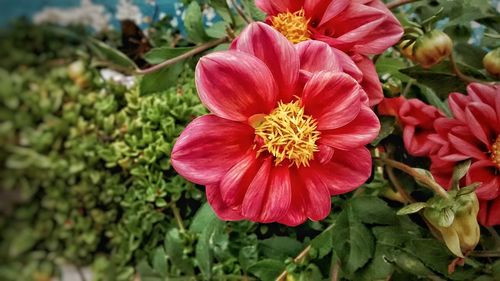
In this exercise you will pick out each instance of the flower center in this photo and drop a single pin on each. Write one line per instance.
(495, 152)
(289, 134)
(292, 25)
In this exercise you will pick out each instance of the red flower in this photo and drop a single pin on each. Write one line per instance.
(279, 141)
(356, 27)
(417, 119)
(473, 133)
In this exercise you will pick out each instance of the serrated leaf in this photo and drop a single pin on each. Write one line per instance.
(412, 208)
(411, 264)
(373, 210)
(348, 229)
(280, 247)
(323, 242)
(174, 249)
(267, 269)
(193, 22)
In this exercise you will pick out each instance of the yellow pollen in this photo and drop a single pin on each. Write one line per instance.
(495, 152)
(289, 134)
(293, 26)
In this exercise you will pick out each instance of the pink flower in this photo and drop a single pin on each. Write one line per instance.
(473, 133)
(417, 119)
(279, 140)
(357, 28)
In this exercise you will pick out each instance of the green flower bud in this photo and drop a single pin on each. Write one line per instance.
(491, 62)
(431, 48)
(462, 235)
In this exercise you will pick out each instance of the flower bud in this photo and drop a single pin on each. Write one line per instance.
(491, 62)
(431, 48)
(76, 71)
(407, 49)
(462, 235)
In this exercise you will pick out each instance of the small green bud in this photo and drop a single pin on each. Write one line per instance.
(431, 48)
(491, 62)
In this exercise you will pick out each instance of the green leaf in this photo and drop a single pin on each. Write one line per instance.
(373, 210)
(441, 79)
(323, 243)
(203, 217)
(220, 6)
(248, 256)
(106, 53)
(348, 229)
(434, 100)
(217, 30)
(387, 124)
(161, 54)
(460, 171)
(193, 22)
(378, 268)
(412, 208)
(433, 253)
(251, 9)
(161, 80)
(174, 249)
(160, 261)
(411, 264)
(280, 247)
(391, 66)
(267, 269)
(204, 248)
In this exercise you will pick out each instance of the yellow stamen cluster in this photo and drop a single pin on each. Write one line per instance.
(495, 152)
(293, 26)
(289, 134)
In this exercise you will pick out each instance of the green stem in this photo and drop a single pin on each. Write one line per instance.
(182, 57)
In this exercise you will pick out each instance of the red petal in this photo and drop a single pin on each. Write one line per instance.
(235, 183)
(371, 83)
(465, 147)
(223, 211)
(296, 213)
(361, 131)
(279, 195)
(274, 7)
(279, 54)
(317, 56)
(457, 103)
(347, 170)
(317, 200)
(332, 98)
(256, 192)
(484, 172)
(209, 147)
(235, 85)
(481, 120)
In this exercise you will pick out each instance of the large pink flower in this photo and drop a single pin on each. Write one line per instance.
(279, 140)
(355, 27)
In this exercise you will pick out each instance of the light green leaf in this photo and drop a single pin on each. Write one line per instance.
(193, 22)
(412, 208)
(161, 80)
(158, 55)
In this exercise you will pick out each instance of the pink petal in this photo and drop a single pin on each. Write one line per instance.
(348, 65)
(417, 144)
(347, 170)
(235, 85)
(317, 200)
(483, 93)
(484, 173)
(361, 131)
(317, 56)
(279, 54)
(321, 11)
(274, 7)
(371, 83)
(466, 147)
(236, 181)
(209, 147)
(223, 211)
(480, 117)
(332, 98)
(279, 195)
(257, 192)
(457, 103)
(296, 213)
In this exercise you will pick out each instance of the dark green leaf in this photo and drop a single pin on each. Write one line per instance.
(373, 210)
(267, 269)
(280, 247)
(174, 248)
(161, 80)
(387, 128)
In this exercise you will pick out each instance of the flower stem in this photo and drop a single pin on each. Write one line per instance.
(417, 176)
(184, 56)
(178, 218)
(397, 3)
(297, 259)
(458, 72)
